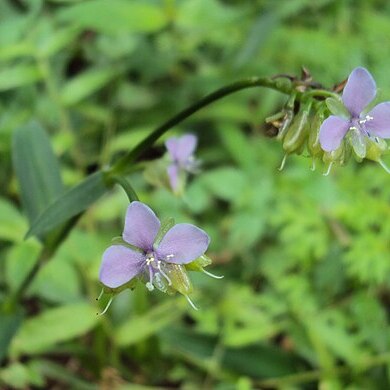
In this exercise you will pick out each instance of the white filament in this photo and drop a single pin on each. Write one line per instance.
(107, 306)
(212, 275)
(191, 303)
(100, 295)
(163, 273)
(329, 169)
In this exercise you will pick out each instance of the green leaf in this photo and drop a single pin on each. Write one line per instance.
(70, 204)
(139, 328)
(43, 332)
(86, 84)
(18, 76)
(36, 168)
(115, 16)
(9, 324)
(12, 224)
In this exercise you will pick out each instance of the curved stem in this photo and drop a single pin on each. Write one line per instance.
(127, 187)
(124, 163)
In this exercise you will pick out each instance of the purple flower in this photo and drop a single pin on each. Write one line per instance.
(143, 256)
(359, 91)
(181, 153)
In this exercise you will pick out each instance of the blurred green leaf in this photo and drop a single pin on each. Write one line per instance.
(18, 76)
(115, 16)
(9, 325)
(47, 329)
(36, 168)
(85, 84)
(70, 204)
(12, 224)
(20, 376)
(138, 328)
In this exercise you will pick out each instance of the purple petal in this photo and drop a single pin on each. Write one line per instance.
(183, 244)
(186, 147)
(332, 131)
(380, 124)
(172, 145)
(180, 149)
(141, 226)
(359, 91)
(173, 174)
(120, 265)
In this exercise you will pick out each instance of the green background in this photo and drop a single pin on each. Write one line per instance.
(305, 298)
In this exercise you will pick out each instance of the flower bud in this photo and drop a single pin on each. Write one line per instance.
(179, 279)
(296, 135)
(313, 142)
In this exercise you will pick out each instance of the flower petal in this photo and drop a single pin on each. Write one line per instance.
(141, 226)
(120, 265)
(380, 124)
(332, 131)
(173, 174)
(359, 91)
(183, 244)
(180, 149)
(186, 147)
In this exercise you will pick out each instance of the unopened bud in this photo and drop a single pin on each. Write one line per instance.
(376, 149)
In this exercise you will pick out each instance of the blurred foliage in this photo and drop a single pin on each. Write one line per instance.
(305, 298)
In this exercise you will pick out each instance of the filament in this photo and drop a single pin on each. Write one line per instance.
(107, 306)
(313, 165)
(283, 162)
(163, 273)
(329, 169)
(191, 303)
(100, 295)
(212, 275)
(384, 166)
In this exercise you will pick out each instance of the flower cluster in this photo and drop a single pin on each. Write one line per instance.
(339, 127)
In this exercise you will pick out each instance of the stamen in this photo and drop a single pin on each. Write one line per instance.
(384, 166)
(149, 285)
(191, 303)
(169, 257)
(283, 162)
(329, 169)
(100, 295)
(212, 275)
(106, 308)
(313, 165)
(163, 273)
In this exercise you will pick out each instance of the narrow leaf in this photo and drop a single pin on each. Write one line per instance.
(70, 204)
(36, 167)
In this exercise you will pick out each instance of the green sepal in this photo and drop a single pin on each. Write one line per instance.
(198, 264)
(166, 225)
(341, 155)
(336, 107)
(179, 278)
(132, 284)
(376, 149)
(120, 241)
(358, 142)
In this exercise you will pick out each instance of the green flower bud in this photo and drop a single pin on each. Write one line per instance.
(179, 279)
(294, 141)
(313, 142)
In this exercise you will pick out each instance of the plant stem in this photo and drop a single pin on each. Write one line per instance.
(281, 85)
(127, 187)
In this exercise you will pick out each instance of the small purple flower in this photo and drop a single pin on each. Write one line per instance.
(359, 91)
(181, 153)
(182, 244)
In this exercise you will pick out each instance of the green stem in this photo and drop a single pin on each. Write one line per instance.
(127, 187)
(125, 162)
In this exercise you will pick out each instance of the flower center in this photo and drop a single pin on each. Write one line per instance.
(156, 272)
